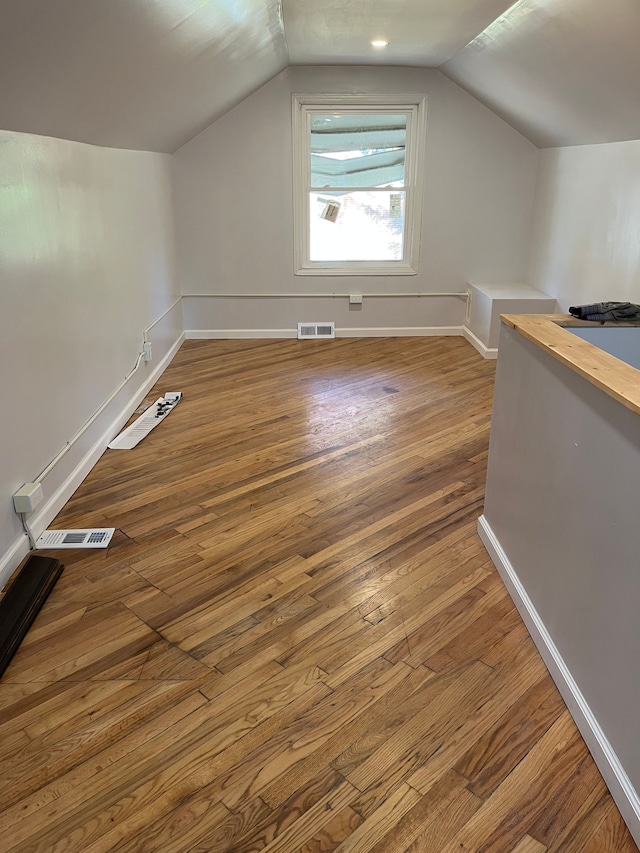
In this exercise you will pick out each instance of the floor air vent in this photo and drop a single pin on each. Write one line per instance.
(142, 426)
(93, 537)
(307, 331)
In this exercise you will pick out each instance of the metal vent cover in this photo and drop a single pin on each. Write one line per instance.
(142, 426)
(92, 537)
(309, 331)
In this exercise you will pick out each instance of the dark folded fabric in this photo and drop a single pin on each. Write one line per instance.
(600, 312)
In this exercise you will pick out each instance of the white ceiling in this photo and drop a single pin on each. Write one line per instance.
(419, 32)
(150, 74)
(145, 74)
(563, 72)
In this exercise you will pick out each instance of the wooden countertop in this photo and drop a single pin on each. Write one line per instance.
(616, 378)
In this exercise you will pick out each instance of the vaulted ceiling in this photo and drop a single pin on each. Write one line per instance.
(150, 74)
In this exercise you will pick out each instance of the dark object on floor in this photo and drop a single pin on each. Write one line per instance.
(600, 312)
(22, 601)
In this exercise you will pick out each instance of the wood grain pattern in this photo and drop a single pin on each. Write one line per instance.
(296, 641)
(529, 845)
(608, 373)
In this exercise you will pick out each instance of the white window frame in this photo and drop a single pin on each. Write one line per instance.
(306, 105)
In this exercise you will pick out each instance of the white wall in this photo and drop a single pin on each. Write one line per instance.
(561, 524)
(586, 244)
(86, 263)
(233, 195)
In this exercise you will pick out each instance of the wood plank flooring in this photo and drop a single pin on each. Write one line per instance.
(296, 641)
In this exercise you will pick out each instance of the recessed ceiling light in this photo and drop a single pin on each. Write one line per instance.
(379, 43)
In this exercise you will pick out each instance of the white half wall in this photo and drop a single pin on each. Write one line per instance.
(87, 263)
(560, 522)
(234, 207)
(585, 245)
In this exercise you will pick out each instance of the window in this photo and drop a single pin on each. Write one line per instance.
(357, 184)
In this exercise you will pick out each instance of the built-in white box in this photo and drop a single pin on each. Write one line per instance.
(488, 301)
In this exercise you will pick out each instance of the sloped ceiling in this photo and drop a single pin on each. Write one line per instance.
(150, 74)
(146, 74)
(563, 72)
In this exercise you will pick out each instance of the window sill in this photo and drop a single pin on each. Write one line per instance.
(367, 268)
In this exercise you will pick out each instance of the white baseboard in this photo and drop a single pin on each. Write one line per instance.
(474, 340)
(385, 332)
(12, 559)
(400, 332)
(228, 334)
(52, 506)
(613, 772)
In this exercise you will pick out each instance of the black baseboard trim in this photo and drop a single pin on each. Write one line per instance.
(20, 604)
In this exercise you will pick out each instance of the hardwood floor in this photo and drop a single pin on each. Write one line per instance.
(296, 641)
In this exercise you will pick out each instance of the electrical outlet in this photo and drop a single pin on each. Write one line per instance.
(28, 497)
(355, 299)
(146, 350)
